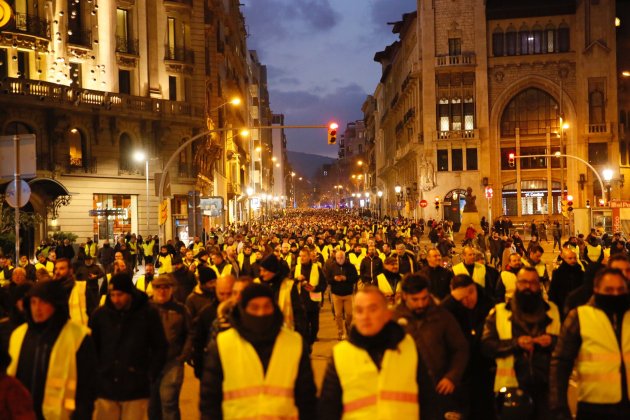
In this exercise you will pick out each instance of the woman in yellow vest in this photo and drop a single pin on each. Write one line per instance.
(257, 369)
(598, 350)
(53, 356)
(364, 379)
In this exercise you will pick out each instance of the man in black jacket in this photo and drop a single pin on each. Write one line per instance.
(371, 266)
(131, 347)
(49, 346)
(342, 277)
(257, 346)
(184, 279)
(439, 277)
(470, 306)
(566, 278)
(441, 343)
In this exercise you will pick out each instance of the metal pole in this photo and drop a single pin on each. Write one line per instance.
(18, 193)
(146, 172)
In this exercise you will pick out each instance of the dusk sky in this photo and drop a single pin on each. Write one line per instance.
(319, 57)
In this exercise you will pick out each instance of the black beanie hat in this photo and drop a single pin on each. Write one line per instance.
(52, 291)
(206, 274)
(461, 280)
(122, 282)
(253, 291)
(271, 263)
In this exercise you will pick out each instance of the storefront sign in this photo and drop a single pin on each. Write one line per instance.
(620, 204)
(535, 194)
(211, 206)
(107, 212)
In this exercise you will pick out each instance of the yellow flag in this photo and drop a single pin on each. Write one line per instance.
(163, 212)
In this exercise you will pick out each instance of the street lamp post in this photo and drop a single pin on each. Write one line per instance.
(380, 199)
(140, 156)
(608, 176)
(398, 191)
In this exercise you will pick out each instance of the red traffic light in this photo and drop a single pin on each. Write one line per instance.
(332, 132)
(333, 126)
(511, 157)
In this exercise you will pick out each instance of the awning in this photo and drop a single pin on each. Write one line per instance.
(48, 187)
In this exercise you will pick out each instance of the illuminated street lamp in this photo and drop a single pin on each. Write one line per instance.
(380, 199)
(608, 176)
(140, 156)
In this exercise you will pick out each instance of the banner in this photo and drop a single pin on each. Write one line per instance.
(163, 212)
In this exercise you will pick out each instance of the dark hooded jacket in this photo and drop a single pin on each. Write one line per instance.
(131, 347)
(212, 379)
(35, 355)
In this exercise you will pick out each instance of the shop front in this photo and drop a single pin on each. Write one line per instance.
(531, 197)
(114, 215)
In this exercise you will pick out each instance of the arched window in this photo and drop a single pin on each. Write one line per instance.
(16, 127)
(550, 39)
(498, 40)
(125, 150)
(76, 148)
(531, 111)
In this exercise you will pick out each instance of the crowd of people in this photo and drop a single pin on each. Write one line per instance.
(497, 335)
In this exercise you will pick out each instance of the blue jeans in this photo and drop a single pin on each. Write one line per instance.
(164, 402)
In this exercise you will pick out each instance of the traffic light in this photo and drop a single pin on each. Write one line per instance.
(332, 133)
(511, 160)
(569, 203)
(437, 203)
(588, 204)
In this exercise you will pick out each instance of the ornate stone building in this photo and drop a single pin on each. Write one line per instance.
(471, 81)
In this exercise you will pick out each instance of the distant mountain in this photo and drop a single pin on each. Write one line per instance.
(307, 164)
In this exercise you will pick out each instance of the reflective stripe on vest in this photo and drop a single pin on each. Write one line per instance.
(90, 249)
(505, 375)
(60, 389)
(355, 260)
(197, 246)
(286, 304)
(248, 391)
(313, 280)
(227, 270)
(148, 248)
(166, 265)
(598, 364)
(593, 252)
(368, 393)
(77, 303)
(141, 285)
(541, 268)
(50, 267)
(241, 259)
(509, 282)
(479, 273)
(384, 285)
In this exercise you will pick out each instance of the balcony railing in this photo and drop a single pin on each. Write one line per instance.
(82, 164)
(59, 95)
(179, 54)
(456, 134)
(81, 38)
(126, 45)
(601, 129)
(467, 59)
(29, 24)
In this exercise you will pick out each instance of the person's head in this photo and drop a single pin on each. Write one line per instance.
(569, 256)
(247, 249)
(415, 293)
(514, 261)
(121, 290)
(386, 248)
(41, 274)
(535, 253)
(118, 256)
(41, 258)
(468, 255)
(391, 264)
(237, 289)
(464, 290)
(163, 288)
(163, 250)
(45, 299)
(224, 287)
(611, 282)
(89, 260)
(66, 242)
(149, 269)
(23, 261)
(19, 275)
(370, 312)
(400, 249)
(217, 257)
(63, 269)
(622, 263)
(52, 256)
(340, 257)
(231, 251)
(434, 258)
(257, 300)
(371, 250)
(120, 266)
(269, 267)
(285, 248)
(189, 255)
(527, 280)
(305, 256)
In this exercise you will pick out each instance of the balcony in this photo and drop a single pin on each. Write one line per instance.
(29, 25)
(178, 3)
(73, 164)
(603, 129)
(126, 45)
(467, 59)
(38, 93)
(81, 38)
(457, 135)
(180, 54)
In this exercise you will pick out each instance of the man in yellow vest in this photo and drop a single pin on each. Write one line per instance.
(520, 335)
(469, 267)
(246, 261)
(593, 251)
(90, 248)
(257, 369)
(534, 259)
(595, 341)
(53, 357)
(220, 265)
(507, 279)
(364, 379)
(6, 270)
(81, 302)
(313, 283)
(388, 282)
(42, 262)
(164, 261)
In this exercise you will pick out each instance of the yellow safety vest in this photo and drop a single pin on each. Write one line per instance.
(368, 393)
(90, 249)
(593, 252)
(77, 303)
(541, 268)
(479, 273)
(140, 285)
(598, 364)
(197, 246)
(505, 375)
(509, 282)
(248, 391)
(356, 260)
(148, 248)
(241, 259)
(61, 378)
(227, 270)
(4, 282)
(288, 259)
(384, 285)
(133, 247)
(50, 267)
(166, 264)
(313, 280)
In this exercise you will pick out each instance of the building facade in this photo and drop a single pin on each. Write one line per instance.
(470, 81)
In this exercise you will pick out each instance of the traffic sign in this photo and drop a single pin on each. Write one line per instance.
(11, 196)
(423, 203)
